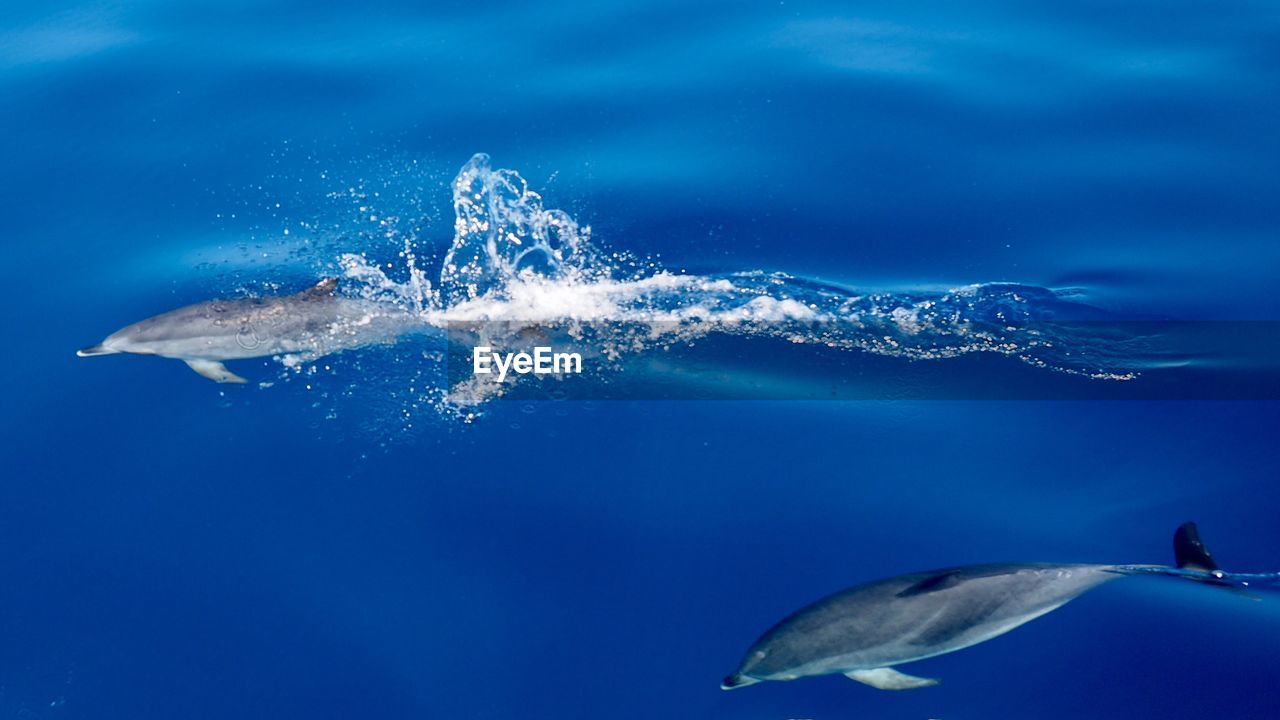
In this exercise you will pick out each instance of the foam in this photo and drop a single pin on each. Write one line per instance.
(514, 264)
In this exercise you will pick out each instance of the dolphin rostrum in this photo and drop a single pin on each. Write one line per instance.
(314, 322)
(865, 630)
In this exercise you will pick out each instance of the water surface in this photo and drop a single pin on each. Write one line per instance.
(326, 542)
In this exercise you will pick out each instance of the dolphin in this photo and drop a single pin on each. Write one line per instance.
(314, 322)
(863, 631)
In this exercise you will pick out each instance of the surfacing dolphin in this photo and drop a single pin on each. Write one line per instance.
(312, 323)
(863, 631)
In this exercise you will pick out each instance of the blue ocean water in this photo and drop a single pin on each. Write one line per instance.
(342, 537)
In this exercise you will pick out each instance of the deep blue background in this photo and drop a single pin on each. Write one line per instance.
(171, 548)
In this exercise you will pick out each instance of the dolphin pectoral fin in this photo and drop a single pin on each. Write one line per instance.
(889, 679)
(215, 371)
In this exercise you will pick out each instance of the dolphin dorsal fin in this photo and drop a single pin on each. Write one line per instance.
(1190, 551)
(323, 288)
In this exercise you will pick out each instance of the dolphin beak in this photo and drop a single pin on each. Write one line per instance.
(100, 349)
(737, 680)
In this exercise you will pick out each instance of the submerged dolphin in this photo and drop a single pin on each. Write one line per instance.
(313, 322)
(861, 632)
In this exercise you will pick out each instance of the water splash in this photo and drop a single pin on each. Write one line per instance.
(517, 269)
(501, 232)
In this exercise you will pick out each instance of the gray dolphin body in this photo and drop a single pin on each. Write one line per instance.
(863, 631)
(313, 322)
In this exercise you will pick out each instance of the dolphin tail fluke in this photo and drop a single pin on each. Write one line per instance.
(1196, 564)
(95, 350)
(1189, 550)
(1191, 557)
